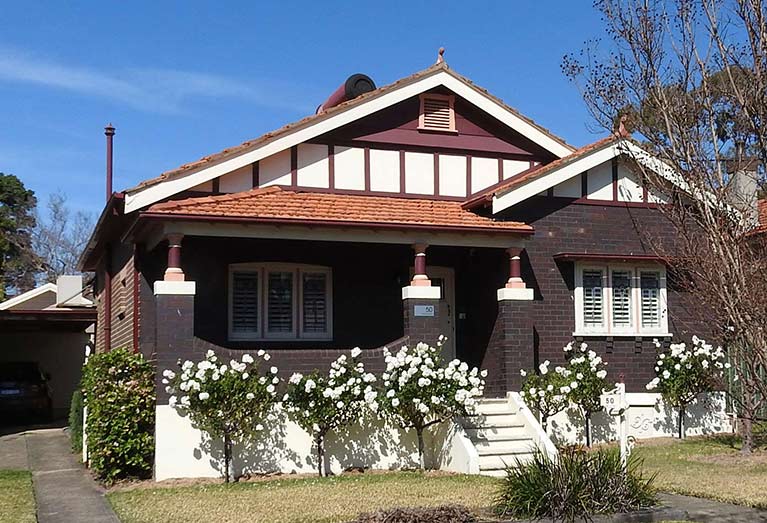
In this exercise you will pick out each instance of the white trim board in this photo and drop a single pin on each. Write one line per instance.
(21, 298)
(440, 77)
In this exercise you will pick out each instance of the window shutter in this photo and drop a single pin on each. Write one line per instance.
(315, 302)
(437, 113)
(621, 285)
(650, 284)
(592, 298)
(245, 302)
(280, 302)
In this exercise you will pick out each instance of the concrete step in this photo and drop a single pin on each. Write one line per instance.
(496, 432)
(504, 447)
(501, 419)
(493, 473)
(486, 407)
(500, 462)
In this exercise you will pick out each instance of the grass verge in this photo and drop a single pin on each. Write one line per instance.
(17, 503)
(326, 500)
(708, 467)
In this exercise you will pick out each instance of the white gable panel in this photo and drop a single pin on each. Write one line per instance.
(569, 189)
(600, 182)
(237, 181)
(629, 188)
(384, 170)
(512, 167)
(349, 168)
(484, 173)
(275, 169)
(313, 167)
(657, 197)
(145, 196)
(419, 173)
(452, 175)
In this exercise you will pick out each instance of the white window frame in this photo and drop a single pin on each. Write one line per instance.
(297, 270)
(635, 329)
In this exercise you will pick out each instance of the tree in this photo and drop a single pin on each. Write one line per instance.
(60, 238)
(690, 79)
(419, 392)
(682, 374)
(18, 262)
(589, 373)
(228, 402)
(321, 403)
(546, 392)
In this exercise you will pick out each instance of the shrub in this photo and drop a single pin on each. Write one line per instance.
(546, 392)
(76, 421)
(228, 402)
(321, 403)
(442, 514)
(418, 392)
(577, 484)
(118, 389)
(588, 373)
(682, 373)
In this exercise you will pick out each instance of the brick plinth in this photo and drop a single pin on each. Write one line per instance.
(174, 336)
(511, 347)
(421, 328)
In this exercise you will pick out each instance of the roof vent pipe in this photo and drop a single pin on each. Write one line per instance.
(354, 86)
(109, 131)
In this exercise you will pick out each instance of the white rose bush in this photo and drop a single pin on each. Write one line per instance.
(228, 401)
(683, 372)
(546, 392)
(320, 403)
(418, 391)
(589, 374)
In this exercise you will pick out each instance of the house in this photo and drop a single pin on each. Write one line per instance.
(51, 326)
(393, 215)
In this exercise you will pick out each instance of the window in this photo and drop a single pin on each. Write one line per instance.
(279, 301)
(620, 299)
(437, 113)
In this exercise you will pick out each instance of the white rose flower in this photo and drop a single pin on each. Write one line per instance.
(250, 395)
(356, 351)
(395, 402)
(273, 370)
(203, 396)
(247, 358)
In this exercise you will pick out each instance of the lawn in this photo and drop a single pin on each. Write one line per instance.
(17, 504)
(327, 500)
(708, 467)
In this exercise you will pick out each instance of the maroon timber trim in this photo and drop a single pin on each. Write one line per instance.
(468, 174)
(331, 167)
(255, 168)
(527, 229)
(294, 165)
(615, 179)
(500, 170)
(584, 184)
(359, 192)
(570, 256)
(136, 276)
(436, 174)
(215, 185)
(485, 196)
(366, 156)
(402, 172)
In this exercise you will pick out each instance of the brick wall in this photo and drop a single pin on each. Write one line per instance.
(421, 328)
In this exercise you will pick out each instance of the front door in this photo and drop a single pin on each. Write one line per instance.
(443, 277)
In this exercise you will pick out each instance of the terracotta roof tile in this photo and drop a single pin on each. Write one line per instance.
(536, 172)
(762, 210)
(231, 151)
(272, 204)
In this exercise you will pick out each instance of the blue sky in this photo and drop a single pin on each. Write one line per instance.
(184, 79)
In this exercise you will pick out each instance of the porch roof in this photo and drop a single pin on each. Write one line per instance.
(277, 205)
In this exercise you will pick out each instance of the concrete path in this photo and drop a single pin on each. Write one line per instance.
(704, 510)
(64, 491)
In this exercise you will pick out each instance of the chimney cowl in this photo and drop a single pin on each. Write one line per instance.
(354, 86)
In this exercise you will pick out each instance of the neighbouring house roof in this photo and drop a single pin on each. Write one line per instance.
(762, 212)
(277, 205)
(18, 301)
(559, 146)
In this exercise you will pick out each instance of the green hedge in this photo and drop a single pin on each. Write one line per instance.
(119, 392)
(76, 421)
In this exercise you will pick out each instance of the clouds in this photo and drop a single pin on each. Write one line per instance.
(146, 89)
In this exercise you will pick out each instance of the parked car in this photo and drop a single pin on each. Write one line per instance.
(24, 392)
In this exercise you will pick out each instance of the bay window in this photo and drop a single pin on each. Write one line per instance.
(279, 301)
(620, 299)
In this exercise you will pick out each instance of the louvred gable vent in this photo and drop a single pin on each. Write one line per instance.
(437, 113)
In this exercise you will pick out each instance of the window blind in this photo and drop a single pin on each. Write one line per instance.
(280, 302)
(650, 285)
(621, 285)
(315, 306)
(245, 288)
(592, 298)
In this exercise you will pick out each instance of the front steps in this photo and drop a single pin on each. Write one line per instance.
(502, 434)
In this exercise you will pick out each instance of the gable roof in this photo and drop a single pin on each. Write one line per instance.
(276, 205)
(29, 295)
(192, 174)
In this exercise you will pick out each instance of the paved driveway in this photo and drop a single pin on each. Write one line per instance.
(64, 491)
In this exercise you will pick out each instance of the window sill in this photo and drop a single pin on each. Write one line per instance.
(622, 335)
(277, 339)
